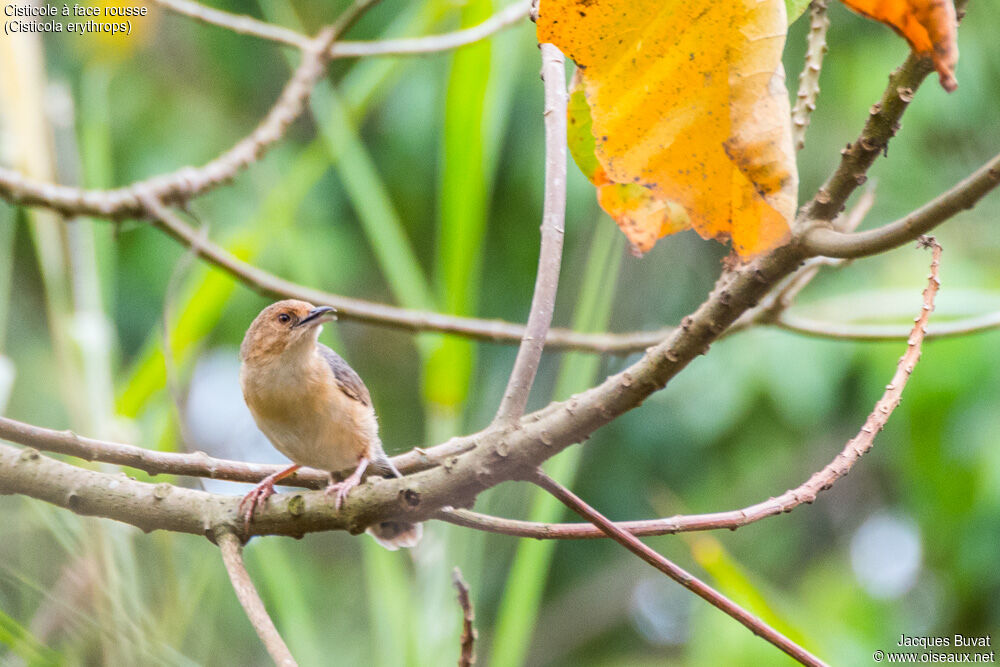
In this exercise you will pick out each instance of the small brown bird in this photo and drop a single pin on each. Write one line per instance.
(313, 408)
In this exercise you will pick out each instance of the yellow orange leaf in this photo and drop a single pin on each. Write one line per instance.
(929, 26)
(687, 100)
(640, 215)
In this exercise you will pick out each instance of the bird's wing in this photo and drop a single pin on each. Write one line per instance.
(348, 381)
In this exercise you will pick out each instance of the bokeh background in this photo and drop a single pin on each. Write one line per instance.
(418, 181)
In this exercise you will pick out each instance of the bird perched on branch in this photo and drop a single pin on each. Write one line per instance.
(313, 408)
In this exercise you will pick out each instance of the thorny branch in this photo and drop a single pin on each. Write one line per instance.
(806, 492)
(543, 301)
(831, 243)
(805, 99)
(678, 574)
(881, 126)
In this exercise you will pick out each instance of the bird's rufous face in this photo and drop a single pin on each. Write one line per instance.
(281, 326)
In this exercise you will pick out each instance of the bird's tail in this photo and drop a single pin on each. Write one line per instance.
(394, 534)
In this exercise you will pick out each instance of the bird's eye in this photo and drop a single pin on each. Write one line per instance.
(284, 318)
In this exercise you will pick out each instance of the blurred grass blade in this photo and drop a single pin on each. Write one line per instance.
(378, 216)
(519, 606)
(23, 644)
(368, 193)
(464, 183)
(22, 98)
(282, 591)
(8, 231)
(390, 604)
(98, 168)
(370, 79)
(732, 580)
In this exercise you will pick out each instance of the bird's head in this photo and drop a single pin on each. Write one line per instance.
(285, 326)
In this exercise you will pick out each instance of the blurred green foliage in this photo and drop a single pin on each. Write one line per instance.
(418, 181)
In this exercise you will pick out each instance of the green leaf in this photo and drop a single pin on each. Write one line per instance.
(579, 136)
(795, 9)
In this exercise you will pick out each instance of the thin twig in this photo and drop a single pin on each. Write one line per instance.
(543, 300)
(805, 101)
(881, 126)
(773, 307)
(180, 186)
(196, 464)
(467, 656)
(831, 243)
(885, 332)
(246, 25)
(238, 23)
(684, 578)
(348, 308)
(232, 557)
(786, 502)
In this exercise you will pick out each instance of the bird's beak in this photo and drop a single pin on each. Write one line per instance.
(318, 316)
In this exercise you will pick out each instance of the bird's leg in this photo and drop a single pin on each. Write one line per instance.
(341, 489)
(262, 492)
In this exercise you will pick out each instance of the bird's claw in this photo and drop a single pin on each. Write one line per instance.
(251, 501)
(339, 492)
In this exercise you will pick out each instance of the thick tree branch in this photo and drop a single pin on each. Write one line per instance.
(246, 25)
(543, 301)
(678, 574)
(232, 558)
(805, 101)
(733, 519)
(831, 243)
(464, 466)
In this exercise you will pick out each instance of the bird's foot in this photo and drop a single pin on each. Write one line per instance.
(255, 499)
(260, 493)
(339, 490)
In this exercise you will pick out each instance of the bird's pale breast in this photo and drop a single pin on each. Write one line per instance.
(306, 416)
